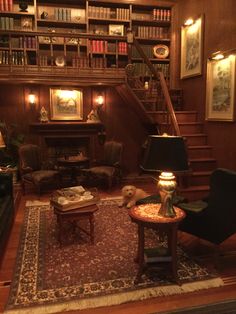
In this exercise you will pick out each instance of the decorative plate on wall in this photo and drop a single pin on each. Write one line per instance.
(60, 61)
(161, 51)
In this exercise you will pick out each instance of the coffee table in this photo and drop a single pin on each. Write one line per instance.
(73, 216)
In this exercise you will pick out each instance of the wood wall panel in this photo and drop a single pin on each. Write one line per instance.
(120, 122)
(219, 34)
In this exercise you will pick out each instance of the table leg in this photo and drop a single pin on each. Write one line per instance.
(172, 245)
(91, 222)
(140, 254)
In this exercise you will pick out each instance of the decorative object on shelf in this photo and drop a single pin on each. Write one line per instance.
(161, 51)
(60, 61)
(165, 154)
(26, 23)
(23, 6)
(116, 30)
(220, 89)
(191, 49)
(43, 115)
(66, 104)
(44, 15)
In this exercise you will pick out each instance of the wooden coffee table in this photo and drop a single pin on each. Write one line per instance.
(73, 216)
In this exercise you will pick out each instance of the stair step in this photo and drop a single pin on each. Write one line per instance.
(181, 116)
(200, 178)
(195, 139)
(190, 127)
(202, 164)
(199, 151)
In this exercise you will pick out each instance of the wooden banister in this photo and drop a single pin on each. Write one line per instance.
(159, 75)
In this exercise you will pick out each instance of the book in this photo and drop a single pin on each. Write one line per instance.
(156, 254)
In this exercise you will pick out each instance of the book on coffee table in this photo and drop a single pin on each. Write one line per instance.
(74, 198)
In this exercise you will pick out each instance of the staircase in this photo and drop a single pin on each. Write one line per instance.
(201, 160)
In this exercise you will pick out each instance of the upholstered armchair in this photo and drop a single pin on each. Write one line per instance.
(109, 168)
(214, 218)
(33, 171)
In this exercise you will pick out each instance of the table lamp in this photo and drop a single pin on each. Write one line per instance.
(165, 154)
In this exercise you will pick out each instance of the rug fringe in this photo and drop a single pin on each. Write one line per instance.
(115, 299)
(36, 203)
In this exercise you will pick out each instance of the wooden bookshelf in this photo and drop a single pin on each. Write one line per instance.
(88, 34)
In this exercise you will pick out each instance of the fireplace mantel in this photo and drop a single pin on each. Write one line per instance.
(68, 134)
(65, 128)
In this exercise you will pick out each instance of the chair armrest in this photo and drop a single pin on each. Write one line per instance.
(194, 207)
(25, 170)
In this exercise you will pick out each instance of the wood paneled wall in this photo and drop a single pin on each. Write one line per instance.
(219, 34)
(120, 122)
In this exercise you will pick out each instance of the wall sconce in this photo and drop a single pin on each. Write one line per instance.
(98, 101)
(219, 55)
(2, 143)
(32, 98)
(188, 22)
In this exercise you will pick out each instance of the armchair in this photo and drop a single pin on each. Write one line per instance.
(32, 170)
(109, 168)
(213, 219)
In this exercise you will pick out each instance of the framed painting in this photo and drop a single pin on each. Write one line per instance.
(66, 104)
(220, 89)
(191, 49)
(116, 30)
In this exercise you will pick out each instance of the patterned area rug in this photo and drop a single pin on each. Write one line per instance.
(77, 275)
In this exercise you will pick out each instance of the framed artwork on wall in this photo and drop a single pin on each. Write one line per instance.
(220, 89)
(116, 30)
(191, 49)
(66, 104)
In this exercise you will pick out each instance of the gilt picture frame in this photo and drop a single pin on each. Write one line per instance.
(66, 104)
(191, 49)
(116, 30)
(220, 89)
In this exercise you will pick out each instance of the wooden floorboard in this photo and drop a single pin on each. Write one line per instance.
(198, 248)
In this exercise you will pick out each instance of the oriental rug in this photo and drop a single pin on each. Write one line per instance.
(50, 278)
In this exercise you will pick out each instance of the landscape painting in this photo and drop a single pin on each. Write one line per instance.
(191, 49)
(66, 104)
(220, 89)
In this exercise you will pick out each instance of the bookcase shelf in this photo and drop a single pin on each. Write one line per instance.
(87, 34)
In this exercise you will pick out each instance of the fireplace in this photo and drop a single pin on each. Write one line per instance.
(64, 139)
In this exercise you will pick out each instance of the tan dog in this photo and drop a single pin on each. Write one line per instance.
(131, 195)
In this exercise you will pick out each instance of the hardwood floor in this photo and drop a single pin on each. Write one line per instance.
(192, 245)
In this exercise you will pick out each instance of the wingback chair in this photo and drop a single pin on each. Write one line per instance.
(109, 168)
(32, 169)
(214, 218)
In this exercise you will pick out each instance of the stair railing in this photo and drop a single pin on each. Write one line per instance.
(158, 75)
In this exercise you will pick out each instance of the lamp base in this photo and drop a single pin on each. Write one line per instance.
(166, 186)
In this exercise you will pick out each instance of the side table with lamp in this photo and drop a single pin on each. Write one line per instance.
(163, 154)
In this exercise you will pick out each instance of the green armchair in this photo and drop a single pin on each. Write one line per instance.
(214, 218)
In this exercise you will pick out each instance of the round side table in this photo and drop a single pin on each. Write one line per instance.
(146, 216)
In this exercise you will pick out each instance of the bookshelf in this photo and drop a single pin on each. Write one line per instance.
(84, 34)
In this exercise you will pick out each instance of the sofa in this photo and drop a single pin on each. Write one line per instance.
(6, 208)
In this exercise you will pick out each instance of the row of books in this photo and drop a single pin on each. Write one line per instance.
(80, 62)
(62, 14)
(28, 42)
(43, 60)
(6, 5)
(108, 13)
(98, 63)
(15, 58)
(161, 14)
(141, 69)
(148, 50)
(102, 46)
(6, 23)
(152, 32)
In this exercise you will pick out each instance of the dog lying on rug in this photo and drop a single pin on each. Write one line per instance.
(131, 195)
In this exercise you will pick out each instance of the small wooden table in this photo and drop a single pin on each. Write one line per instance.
(73, 216)
(147, 216)
(73, 163)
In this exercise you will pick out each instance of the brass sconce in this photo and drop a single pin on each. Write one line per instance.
(32, 98)
(98, 101)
